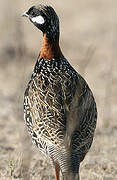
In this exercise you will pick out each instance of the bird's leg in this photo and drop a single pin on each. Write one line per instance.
(57, 171)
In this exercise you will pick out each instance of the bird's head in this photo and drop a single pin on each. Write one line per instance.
(44, 18)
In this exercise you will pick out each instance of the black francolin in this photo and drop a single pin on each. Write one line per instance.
(59, 107)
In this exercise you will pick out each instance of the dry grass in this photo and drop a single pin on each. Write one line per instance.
(89, 41)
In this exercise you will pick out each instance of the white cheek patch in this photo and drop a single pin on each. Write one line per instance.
(38, 19)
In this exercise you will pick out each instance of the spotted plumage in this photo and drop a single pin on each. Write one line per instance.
(59, 107)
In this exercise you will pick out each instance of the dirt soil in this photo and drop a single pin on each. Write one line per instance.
(89, 42)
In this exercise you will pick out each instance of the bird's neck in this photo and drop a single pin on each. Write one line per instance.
(50, 48)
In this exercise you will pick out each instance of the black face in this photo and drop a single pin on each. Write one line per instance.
(40, 22)
(45, 19)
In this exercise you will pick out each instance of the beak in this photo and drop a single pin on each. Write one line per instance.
(25, 14)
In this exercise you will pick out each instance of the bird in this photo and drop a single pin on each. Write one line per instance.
(59, 107)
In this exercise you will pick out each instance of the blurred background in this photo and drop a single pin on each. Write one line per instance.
(89, 41)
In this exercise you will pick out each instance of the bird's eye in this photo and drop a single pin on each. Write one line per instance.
(32, 13)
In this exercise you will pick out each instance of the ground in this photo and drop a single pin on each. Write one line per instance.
(89, 42)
